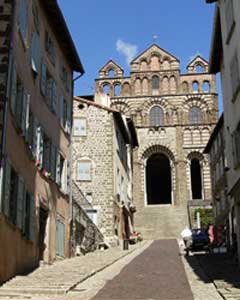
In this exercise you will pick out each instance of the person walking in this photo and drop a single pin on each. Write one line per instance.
(186, 235)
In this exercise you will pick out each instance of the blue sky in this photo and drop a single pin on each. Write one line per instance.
(104, 29)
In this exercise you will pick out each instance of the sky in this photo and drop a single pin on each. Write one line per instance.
(120, 30)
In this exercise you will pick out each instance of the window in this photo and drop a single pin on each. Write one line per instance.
(206, 86)
(35, 52)
(236, 146)
(22, 19)
(235, 77)
(66, 114)
(155, 82)
(19, 103)
(156, 116)
(117, 90)
(80, 127)
(46, 153)
(195, 87)
(50, 48)
(36, 15)
(18, 203)
(48, 88)
(195, 115)
(65, 77)
(229, 18)
(84, 170)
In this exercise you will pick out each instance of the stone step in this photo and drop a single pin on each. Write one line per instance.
(33, 291)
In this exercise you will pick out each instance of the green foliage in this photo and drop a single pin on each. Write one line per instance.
(206, 216)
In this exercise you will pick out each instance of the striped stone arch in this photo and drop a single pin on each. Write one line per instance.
(200, 102)
(195, 154)
(163, 103)
(121, 106)
(150, 149)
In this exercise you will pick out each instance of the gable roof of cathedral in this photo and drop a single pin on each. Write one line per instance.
(109, 62)
(198, 57)
(159, 48)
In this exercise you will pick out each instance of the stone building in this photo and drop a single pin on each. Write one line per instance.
(103, 140)
(225, 58)
(174, 114)
(222, 208)
(38, 92)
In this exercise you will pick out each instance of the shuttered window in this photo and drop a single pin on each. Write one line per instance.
(22, 18)
(79, 127)
(236, 146)
(235, 76)
(21, 195)
(229, 18)
(43, 80)
(6, 187)
(60, 237)
(13, 89)
(35, 52)
(84, 170)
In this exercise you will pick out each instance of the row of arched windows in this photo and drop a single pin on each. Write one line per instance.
(156, 116)
(143, 86)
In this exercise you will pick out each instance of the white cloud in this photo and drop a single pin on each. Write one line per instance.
(127, 49)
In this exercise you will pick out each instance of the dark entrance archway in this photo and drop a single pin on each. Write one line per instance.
(158, 177)
(196, 179)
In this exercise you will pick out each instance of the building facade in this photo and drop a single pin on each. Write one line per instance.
(35, 203)
(103, 141)
(225, 58)
(174, 115)
(224, 221)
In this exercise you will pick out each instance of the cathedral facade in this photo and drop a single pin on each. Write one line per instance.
(174, 115)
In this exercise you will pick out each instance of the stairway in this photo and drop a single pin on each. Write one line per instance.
(157, 222)
(62, 276)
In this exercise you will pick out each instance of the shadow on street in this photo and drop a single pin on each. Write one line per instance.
(222, 269)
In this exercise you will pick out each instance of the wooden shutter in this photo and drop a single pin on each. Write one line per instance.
(6, 187)
(68, 174)
(34, 145)
(23, 18)
(58, 169)
(25, 113)
(43, 81)
(54, 97)
(32, 218)
(60, 238)
(53, 161)
(35, 52)
(21, 196)
(40, 144)
(69, 117)
(61, 110)
(13, 90)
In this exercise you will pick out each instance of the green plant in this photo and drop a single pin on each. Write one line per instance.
(206, 216)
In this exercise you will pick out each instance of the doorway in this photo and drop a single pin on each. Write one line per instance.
(158, 177)
(196, 179)
(43, 216)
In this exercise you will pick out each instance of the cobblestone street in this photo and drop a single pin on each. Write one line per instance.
(148, 270)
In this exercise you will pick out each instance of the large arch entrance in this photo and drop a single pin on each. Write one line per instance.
(158, 180)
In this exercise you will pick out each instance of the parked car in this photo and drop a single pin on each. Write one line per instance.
(200, 240)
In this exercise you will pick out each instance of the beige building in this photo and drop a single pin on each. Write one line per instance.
(174, 114)
(225, 58)
(103, 140)
(223, 214)
(35, 203)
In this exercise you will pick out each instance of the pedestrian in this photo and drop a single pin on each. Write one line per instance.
(186, 235)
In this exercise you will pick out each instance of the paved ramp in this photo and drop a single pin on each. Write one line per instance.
(157, 273)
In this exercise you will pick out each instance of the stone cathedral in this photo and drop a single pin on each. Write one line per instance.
(174, 114)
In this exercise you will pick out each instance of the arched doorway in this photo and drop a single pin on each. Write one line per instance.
(196, 179)
(158, 180)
